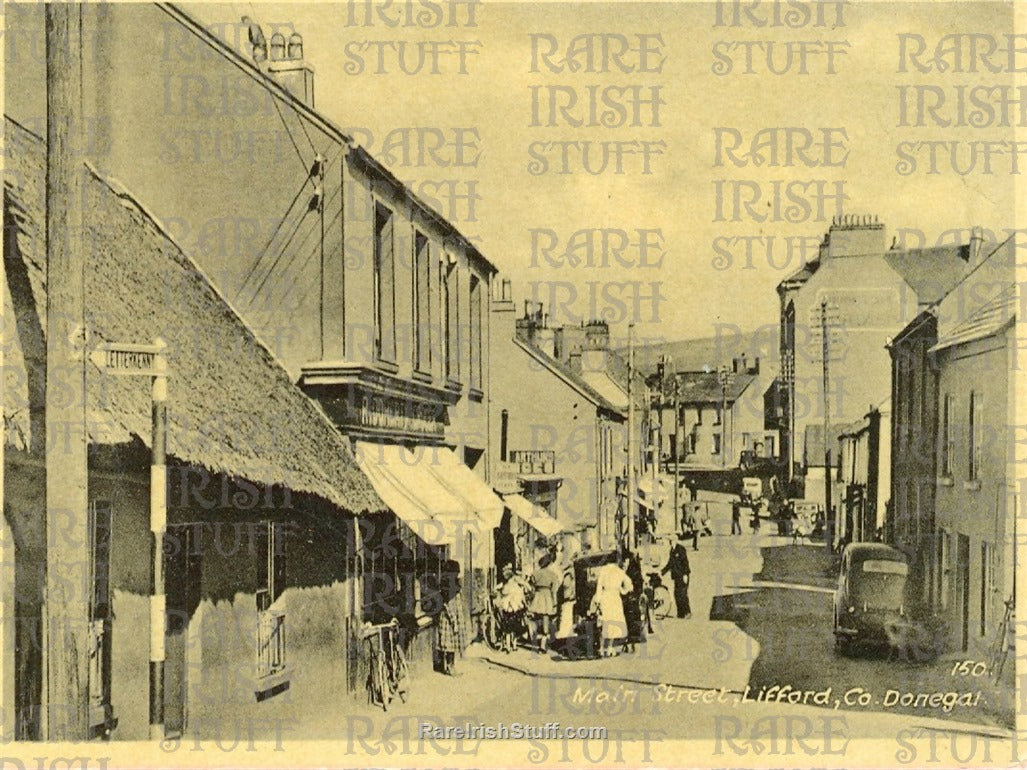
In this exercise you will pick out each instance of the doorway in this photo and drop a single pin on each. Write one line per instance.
(963, 589)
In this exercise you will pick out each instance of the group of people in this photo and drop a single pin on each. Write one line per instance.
(541, 605)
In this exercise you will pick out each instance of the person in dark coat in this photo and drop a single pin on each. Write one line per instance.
(736, 518)
(632, 602)
(680, 575)
(453, 623)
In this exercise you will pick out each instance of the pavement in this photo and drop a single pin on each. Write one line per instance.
(761, 620)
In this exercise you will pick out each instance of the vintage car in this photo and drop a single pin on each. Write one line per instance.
(585, 641)
(871, 598)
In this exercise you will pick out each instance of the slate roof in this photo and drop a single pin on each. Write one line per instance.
(932, 272)
(987, 320)
(705, 388)
(232, 408)
(574, 379)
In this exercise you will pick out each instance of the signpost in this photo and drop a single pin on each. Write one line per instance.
(122, 359)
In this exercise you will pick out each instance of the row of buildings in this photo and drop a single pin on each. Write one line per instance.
(916, 401)
(353, 402)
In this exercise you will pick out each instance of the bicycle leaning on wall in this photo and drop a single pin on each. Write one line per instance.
(388, 675)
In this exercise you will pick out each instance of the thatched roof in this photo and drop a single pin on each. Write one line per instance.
(231, 407)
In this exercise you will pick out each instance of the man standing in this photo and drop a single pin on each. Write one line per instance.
(680, 574)
(736, 518)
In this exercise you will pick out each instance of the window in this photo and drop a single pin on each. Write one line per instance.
(948, 441)
(269, 551)
(976, 435)
(384, 285)
(716, 415)
(770, 447)
(746, 441)
(474, 332)
(987, 584)
(716, 443)
(451, 316)
(691, 443)
(422, 303)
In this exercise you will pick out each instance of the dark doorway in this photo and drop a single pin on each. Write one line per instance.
(182, 573)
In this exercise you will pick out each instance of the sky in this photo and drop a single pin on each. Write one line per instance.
(677, 218)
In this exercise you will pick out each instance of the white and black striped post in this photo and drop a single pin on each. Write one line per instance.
(158, 525)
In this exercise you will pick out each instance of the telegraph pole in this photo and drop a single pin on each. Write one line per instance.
(789, 367)
(825, 344)
(629, 506)
(66, 604)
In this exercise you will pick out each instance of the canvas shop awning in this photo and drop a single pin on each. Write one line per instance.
(426, 488)
(533, 515)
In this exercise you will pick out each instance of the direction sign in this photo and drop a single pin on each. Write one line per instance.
(130, 359)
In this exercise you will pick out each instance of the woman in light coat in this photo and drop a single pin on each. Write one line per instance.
(612, 582)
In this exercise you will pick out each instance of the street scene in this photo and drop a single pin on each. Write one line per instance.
(402, 374)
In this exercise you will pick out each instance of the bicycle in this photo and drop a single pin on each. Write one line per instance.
(655, 600)
(388, 673)
(489, 629)
(1000, 646)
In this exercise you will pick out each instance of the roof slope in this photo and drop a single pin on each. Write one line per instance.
(231, 407)
(987, 320)
(698, 354)
(931, 272)
(705, 387)
(572, 378)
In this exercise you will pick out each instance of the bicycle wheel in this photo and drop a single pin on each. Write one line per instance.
(647, 618)
(661, 602)
(384, 684)
(490, 631)
(398, 672)
(373, 684)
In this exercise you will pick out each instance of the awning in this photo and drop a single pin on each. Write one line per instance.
(464, 484)
(404, 482)
(533, 515)
(664, 491)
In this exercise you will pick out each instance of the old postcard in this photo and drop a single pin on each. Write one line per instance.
(458, 383)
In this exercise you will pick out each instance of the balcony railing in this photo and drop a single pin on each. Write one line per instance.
(270, 643)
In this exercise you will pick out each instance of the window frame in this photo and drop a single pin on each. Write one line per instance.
(474, 332)
(948, 442)
(422, 299)
(976, 435)
(384, 287)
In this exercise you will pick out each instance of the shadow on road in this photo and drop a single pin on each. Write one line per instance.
(793, 627)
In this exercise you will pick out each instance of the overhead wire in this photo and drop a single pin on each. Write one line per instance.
(263, 251)
(299, 249)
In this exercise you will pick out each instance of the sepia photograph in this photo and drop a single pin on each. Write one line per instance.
(459, 383)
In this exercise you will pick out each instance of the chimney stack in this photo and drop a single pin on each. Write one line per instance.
(287, 66)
